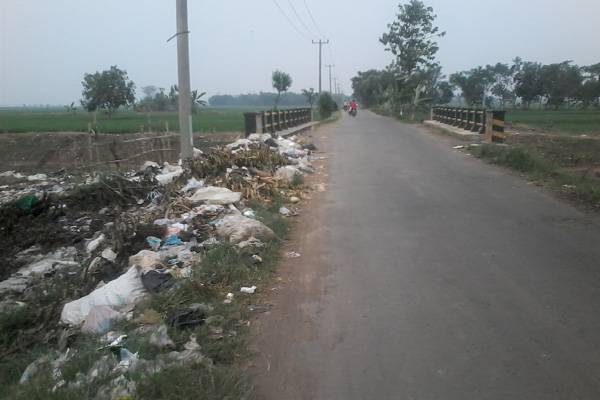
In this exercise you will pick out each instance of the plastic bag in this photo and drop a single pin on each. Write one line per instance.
(100, 319)
(126, 289)
(216, 195)
(239, 228)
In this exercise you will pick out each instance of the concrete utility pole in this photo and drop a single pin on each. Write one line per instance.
(329, 66)
(320, 68)
(183, 73)
(335, 84)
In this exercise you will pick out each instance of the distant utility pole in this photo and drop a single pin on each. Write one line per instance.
(321, 43)
(329, 66)
(183, 73)
(335, 82)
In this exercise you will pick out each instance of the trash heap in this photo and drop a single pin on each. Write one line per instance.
(121, 238)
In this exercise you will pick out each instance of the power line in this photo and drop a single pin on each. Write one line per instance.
(313, 20)
(291, 23)
(299, 19)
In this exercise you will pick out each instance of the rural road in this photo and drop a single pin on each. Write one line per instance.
(428, 274)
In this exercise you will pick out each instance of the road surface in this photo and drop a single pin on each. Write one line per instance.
(428, 274)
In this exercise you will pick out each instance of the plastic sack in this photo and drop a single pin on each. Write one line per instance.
(216, 195)
(192, 183)
(240, 143)
(126, 289)
(286, 174)
(239, 228)
(100, 319)
(295, 153)
(171, 172)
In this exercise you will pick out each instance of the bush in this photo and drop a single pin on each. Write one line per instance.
(326, 105)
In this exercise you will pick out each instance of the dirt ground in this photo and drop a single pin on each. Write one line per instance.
(298, 278)
(31, 153)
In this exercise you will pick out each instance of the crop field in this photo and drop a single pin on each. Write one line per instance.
(573, 121)
(208, 119)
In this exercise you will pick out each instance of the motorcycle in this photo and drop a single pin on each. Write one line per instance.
(353, 112)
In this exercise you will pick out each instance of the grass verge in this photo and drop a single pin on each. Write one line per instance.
(554, 161)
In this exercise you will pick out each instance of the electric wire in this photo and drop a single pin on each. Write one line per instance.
(291, 23)
(299, 19)
(313, 20)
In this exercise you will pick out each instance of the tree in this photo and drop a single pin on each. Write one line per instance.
(409, 38)
(528, 81)
(560, 83)
(443, 93)
(590, 89)
(310, 95)
(326, 105)
(503, 88)
(149, 91)
(107, 90)
(197, 101)
(474, 84)
(372, 87)
(281, 82)
(418, 102)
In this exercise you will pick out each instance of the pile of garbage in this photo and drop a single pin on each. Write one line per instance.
(122, 237)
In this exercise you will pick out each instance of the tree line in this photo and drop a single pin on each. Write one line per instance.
(555, 86)
(414, 79)
(110, 89)
(261, 99)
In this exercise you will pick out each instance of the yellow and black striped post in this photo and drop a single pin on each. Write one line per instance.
(494, 126)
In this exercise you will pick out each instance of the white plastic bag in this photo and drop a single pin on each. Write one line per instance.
(286, 174)
(124, 290)
(239, 228)
(216, 195)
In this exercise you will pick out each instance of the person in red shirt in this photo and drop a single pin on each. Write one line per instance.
(352, 107)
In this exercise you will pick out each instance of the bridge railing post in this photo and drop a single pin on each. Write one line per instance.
(494, 126)
(253, 122)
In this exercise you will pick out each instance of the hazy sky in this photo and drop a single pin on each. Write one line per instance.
(46, 46)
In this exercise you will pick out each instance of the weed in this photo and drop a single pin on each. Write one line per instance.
(517, 158)
(297, 180)
(223, 266)
(269, 215)
(200, 382)
(552, 162)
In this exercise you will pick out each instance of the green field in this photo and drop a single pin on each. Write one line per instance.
(211, 119)
(575, 121)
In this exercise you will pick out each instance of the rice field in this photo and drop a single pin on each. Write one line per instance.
(567, 121)
(211, 119)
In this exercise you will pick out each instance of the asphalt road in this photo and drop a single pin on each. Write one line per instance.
(445, 278)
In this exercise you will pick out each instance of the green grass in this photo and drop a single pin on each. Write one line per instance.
(208, 119)
(516, 158)
(566, 163)
(575, 121)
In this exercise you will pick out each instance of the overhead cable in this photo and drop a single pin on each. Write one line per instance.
(300, 19)
(313, 20)
(291, 23)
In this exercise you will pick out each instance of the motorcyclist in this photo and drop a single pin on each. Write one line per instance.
(352, 107)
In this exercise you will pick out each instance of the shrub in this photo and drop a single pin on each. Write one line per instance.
(326, 105)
